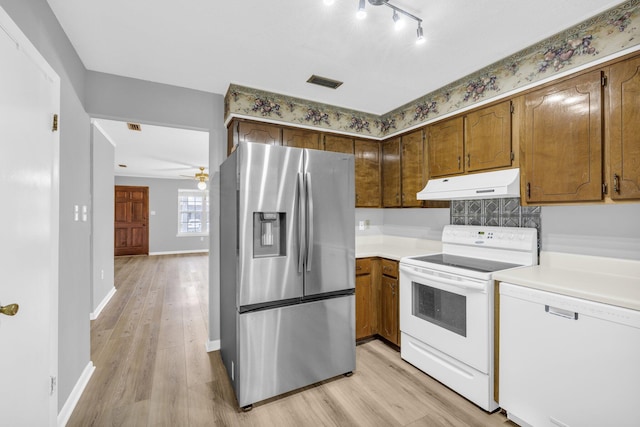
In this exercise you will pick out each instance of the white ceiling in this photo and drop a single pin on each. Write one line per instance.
(276, 45)
(156, 151)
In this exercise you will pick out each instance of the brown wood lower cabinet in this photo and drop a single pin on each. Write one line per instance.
(377, 299)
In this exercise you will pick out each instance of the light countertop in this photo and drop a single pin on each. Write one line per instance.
(394, 247)
(606, 280)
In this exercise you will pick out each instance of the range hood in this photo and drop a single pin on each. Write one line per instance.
(486, 185)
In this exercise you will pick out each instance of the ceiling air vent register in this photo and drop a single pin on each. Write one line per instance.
(134, 126)
(323, 81)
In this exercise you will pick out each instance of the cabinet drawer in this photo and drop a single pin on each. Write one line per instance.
(390, 268)
(363, 266)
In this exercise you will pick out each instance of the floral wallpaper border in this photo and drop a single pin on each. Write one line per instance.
(603, 35)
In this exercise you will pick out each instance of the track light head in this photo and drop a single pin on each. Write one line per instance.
(361, 13)
(398, 22)
(420, 34)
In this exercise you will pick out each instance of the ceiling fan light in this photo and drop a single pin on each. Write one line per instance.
(420, 34)
(361, 13)
(202, 185)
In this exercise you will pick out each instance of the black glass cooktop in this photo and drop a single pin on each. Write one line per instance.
(475, 264)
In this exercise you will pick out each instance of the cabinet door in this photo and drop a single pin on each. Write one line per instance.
(445, 141)
(487, 138)
(624, 129)
(563, 141)
(391, 173)
(363, 306)
(259, 132)
(339, 144)
(413, 179)
(301, 138)
(389, 309)
(367, 165)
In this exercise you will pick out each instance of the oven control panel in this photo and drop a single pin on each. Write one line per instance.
(495, 237)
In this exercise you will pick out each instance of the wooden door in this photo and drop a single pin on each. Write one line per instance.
(364, 294)
(367, 166)
(563, 141)
(413, 179)
(262, 133)
(29, 162)
(301, 138)
(624, 129)
(131, 215)
(339, 144)
(389, 309)
(446, 147)
(391, 173)
(487, 138)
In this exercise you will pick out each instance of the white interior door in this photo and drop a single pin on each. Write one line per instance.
(29, 96)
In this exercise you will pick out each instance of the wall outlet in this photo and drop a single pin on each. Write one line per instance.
(102, 274)
(76, 212)
(363, 225)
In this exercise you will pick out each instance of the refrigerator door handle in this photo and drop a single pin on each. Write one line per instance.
(309, 221)
(301, 222)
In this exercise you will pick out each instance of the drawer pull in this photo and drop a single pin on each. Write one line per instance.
(560, 312)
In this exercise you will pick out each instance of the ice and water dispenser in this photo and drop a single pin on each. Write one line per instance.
(269, 234)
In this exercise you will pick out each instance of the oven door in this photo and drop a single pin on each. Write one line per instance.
(447, 312)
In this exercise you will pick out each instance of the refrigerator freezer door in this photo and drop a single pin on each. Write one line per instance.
(330, 254)
(291, 347)
(270, 203)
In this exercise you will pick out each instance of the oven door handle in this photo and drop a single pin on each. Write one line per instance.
(466, 284)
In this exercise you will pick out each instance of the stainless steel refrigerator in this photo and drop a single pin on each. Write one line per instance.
(287, 268)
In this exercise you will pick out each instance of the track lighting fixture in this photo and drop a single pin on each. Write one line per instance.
(361, 13)
(397, 18)
(420, 33)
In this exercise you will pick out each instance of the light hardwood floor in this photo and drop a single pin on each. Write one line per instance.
(148, 346)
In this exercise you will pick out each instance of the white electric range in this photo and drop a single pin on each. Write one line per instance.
(447, 308)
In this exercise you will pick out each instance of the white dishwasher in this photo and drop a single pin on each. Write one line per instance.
(566, 361)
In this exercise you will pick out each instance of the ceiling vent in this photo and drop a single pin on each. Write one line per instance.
(134, 126)
(323, 81)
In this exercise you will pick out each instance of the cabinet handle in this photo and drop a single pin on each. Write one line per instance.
(458, 162)
(528, 190)
(469, 160)
(616, 183)
(567, 314)
(359, 267)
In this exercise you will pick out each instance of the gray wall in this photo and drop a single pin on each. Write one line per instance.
(103, 154)
(39, 24)
(599, 230)
(163, 226)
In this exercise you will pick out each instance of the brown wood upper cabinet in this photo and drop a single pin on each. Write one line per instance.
(562, 141)
(338, 144)
(391, 173)
(487, 138)
(446, 147)
(481, 140)
(413, 168)
(624, 129)
(263, 133)
(367, 179)
(301, 138)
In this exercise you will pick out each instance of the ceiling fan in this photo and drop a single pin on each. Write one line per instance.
(202, 177)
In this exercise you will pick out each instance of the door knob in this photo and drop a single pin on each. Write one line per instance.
(9, 310)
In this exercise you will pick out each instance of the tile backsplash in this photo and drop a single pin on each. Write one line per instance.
(496, 213)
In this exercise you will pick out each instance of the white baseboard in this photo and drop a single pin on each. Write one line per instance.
(192, 251)
(212, 346)
(103, 303)
(74, 396)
